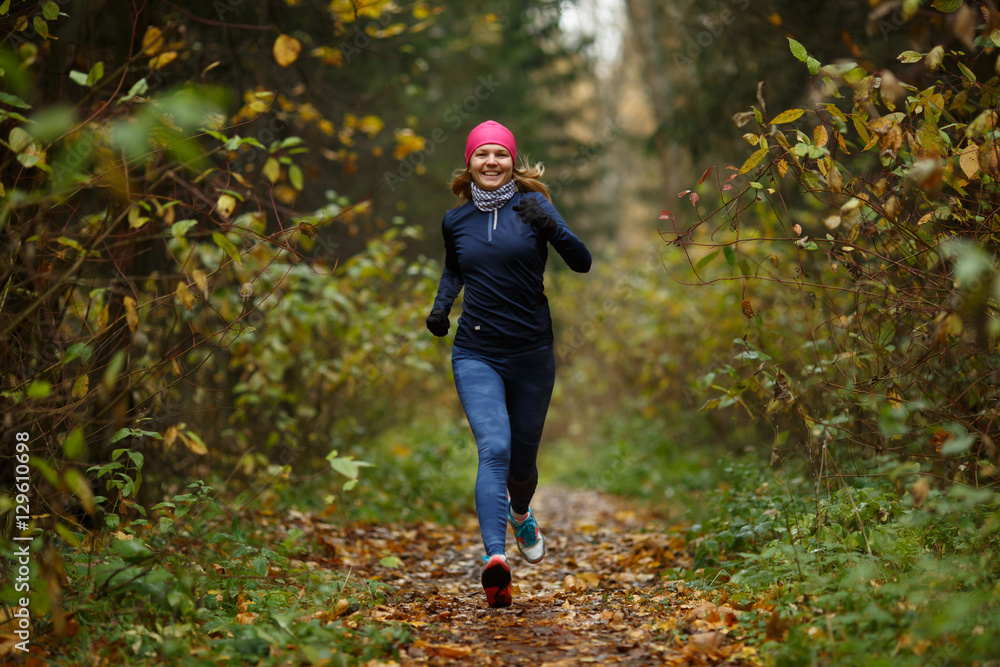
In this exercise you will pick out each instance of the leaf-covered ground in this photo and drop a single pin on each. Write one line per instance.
(597, 598)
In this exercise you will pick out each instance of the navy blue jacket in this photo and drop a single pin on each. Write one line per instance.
(500, 260)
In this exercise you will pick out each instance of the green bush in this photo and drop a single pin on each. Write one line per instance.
(856, 575)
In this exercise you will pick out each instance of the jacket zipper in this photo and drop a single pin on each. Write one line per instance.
(489, 230)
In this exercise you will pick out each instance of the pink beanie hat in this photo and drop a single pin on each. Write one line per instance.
(490, 132)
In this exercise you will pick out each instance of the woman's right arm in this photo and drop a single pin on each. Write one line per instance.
(452, 281)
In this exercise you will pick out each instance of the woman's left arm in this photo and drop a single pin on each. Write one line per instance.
(567, 244)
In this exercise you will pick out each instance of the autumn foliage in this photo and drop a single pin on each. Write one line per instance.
(861, 235)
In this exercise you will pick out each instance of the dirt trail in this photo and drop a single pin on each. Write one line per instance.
(597, 598)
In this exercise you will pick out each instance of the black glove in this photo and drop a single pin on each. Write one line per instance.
(438, 323)
(531, 212)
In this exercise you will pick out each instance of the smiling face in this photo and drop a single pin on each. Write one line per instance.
(491, 166)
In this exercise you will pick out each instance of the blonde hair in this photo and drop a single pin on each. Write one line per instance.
(526, 176)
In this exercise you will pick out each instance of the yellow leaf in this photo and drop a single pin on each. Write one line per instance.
(371, 125)
(782, 168)
(754, 160)
(131, 316)
(834, 179)
(893, 207)
(152, 41)
(185, 295)
(167, 214)
(969, 160)
(842, 143)
(241, 180)
(852, 236)
(201, 280)
(983, 123)
(81, 386)
(953, 324)
(787, 116)
(328, 55)
(135, 218)
(820, 135)
(862, 129)
(895, 399)
(407, 141)
(170, 437)
(286, 50)
(162, 60)
(193, 442)
(285, 194)
(934, 58)
(225, 205)
(102, 318)
(272, 169)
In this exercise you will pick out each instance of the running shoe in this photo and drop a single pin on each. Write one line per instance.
(496, 581)
(530, 541)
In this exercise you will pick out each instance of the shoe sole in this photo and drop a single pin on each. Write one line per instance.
(525, 556)
(496, 584)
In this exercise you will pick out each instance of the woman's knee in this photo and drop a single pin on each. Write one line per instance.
(494, 450)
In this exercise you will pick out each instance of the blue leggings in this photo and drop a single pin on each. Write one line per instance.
(505, 400)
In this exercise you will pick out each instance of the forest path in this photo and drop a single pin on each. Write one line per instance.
(597, 598)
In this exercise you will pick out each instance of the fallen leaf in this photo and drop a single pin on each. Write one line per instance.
(707, 640)
(776, 627)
